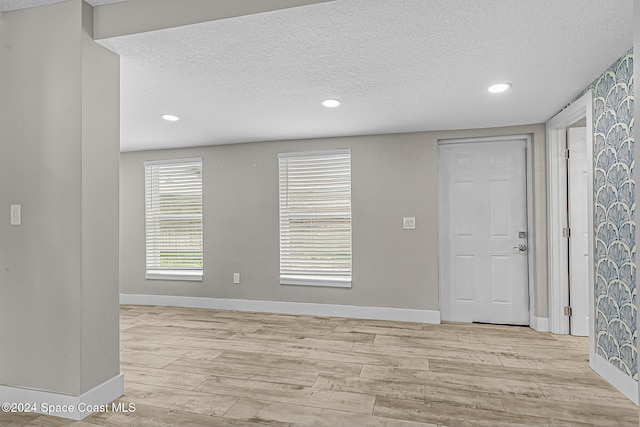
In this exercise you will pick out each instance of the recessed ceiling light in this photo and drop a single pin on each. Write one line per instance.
(170, 117)
(331, 103)
(500, 87)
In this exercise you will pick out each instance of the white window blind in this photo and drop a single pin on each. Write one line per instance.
(315, 218)
(173, 197)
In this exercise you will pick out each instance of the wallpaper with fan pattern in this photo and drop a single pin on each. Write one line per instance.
(616, 333)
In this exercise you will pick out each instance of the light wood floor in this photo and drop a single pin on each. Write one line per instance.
(191, 367)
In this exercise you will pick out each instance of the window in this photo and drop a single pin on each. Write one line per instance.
(315, 218)
(173, 211)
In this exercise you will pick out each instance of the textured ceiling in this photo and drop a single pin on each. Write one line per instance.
(397, 65)
(7, 5)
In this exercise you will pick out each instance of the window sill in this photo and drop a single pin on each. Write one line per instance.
(327, 281)
(179, 275)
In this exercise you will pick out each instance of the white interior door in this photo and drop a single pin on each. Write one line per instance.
(483, 232)
(579, 241)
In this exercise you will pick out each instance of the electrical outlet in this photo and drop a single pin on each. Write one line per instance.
(236, 278)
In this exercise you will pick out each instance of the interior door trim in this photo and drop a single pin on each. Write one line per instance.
(558, 258)
(530, 222)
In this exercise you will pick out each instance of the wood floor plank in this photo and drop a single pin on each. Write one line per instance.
(165, 330)
(485, 328)
(303, 396)
(538, 341)
(295, 415)
(46, 421)
(155, 416)
(456, 416)
(273, 318)
(139, 336)
(580, 412)
(371, 386)
(548, 376)
(354, 337)
(299, 331)
(445, 346)
(403, 375)
(574, 366)
(424, 352)
(284, 361)
(180, 400)
(125, 325)
(373, 323)
(454, 381)
(244, 371)
(401, 390)
(604, 394)
(399, 332)
(202, 328)
(548, 352)
(176, 352)
(210, 344)
(291, 340)
(362, 358)
(162, 377)
(147, 359)
(15, 419)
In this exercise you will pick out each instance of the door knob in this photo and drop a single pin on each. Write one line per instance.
(521, 248)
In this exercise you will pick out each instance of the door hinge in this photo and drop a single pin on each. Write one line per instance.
(568, 311)
(566, 232)
(565, 154)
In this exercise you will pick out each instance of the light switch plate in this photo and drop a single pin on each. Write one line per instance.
(16, 214)
(409, 222)
(236, 278)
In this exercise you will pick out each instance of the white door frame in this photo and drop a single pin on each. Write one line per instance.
(557, 213)
(530, 228)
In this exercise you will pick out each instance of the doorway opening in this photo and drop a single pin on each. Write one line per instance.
(578, 231)
(570, 185)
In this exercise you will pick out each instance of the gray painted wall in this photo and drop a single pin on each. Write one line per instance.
(392, 176)
(59, 269)
(100, 305)
(149, 15)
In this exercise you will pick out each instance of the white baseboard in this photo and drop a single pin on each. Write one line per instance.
(62, 405)
(540, 324)
(282, 307)
(614, 376)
